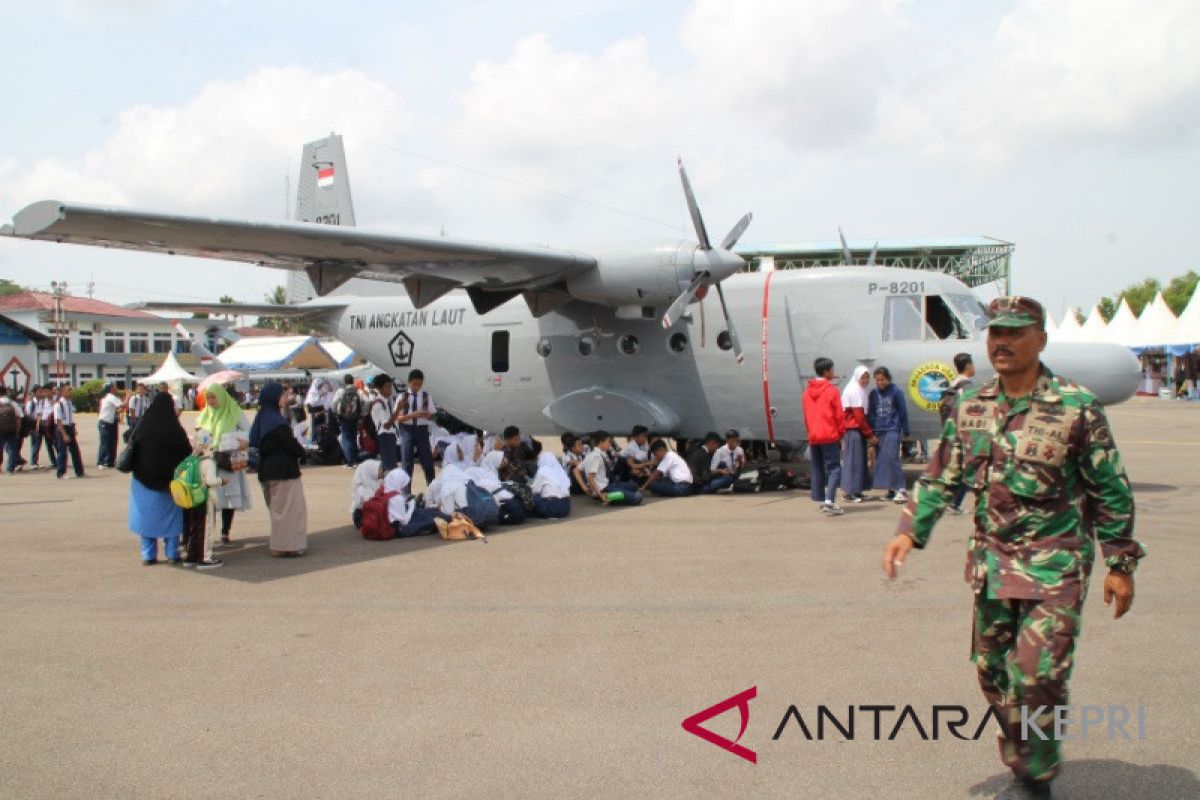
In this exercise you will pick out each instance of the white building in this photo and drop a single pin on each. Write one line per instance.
(78, 339)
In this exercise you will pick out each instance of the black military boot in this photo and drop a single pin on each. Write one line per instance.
(1025, 789)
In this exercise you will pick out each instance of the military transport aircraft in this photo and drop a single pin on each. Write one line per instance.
(554, 340)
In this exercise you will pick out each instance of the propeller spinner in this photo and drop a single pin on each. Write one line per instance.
(713, 265)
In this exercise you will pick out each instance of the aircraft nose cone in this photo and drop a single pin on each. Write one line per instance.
(1110, 371)
(720, 263)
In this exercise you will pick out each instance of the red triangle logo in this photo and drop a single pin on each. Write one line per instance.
(741, 701)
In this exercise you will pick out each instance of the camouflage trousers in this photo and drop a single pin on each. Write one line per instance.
(1024, 651)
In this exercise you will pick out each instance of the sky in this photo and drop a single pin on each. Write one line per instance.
(1069, 127)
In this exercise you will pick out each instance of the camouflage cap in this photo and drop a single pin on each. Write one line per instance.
(1015, 311)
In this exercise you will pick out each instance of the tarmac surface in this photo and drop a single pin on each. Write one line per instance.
(557, 659)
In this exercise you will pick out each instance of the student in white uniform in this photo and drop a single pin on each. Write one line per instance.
(414, 416)
(551, 486)
(383, 415)
(368, 477)
(66, 436)
(106, 425)
(573, 453)
(730, 458)
(11, 414)
(593, 473)
(634, 461)
(670, 476)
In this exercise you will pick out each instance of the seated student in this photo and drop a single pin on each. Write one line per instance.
(368, 477)
(705, 479)
(729, 458)
(406, 518)
(634, 461)
(487, 477)
(670, 476)
(519, 461)
(573, 453)
(593, 473)
(551, 486)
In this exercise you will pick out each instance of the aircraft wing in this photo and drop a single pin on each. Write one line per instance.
(241, 309)
(331, 254)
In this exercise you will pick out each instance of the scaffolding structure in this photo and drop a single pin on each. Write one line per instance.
(975, 260)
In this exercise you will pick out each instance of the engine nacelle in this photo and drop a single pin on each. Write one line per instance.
(649, 275)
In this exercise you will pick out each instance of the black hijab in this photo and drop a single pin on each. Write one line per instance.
(159, 443)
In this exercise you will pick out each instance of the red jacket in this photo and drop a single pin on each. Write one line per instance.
(823, 412)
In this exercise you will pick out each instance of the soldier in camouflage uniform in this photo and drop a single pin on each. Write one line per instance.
(1038, 454)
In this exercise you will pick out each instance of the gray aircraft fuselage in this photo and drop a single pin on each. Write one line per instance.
(576, 369)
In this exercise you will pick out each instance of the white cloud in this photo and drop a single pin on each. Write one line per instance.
(1060, 75)
(225, 150)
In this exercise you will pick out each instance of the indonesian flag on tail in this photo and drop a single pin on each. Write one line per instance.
(324, 177)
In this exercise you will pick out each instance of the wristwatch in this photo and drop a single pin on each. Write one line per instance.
(1124, 564)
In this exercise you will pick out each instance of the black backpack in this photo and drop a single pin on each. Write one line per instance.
(351, 408)
(8, 418)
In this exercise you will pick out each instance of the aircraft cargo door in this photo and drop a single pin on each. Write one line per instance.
(807, 316)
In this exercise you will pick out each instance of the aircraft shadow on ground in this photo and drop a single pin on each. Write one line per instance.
(248, 562)
(1112, 780)
(1153, 488)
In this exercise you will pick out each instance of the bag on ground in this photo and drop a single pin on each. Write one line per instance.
(481, 507)
(375, 523)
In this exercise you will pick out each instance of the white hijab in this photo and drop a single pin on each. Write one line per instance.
(399, 506)
(855, 395)
(549, 470)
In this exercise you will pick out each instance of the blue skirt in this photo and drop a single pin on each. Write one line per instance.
(153, 514)
(856, 477)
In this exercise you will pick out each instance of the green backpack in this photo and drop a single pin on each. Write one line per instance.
(188, 489)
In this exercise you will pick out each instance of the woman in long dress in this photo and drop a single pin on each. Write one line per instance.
(856, 475)
(279, 472)
(159, 443)
(223, 426)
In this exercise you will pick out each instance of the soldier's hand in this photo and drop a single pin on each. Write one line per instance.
(893, 555)
(1118, 585)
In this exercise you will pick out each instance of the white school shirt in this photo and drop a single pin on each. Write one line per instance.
(674, 468)
(595, 464)
(138, 405)
(45, 409)
(731, 460)
(16, 406)
(638, 452)
(64, 411)
(109, 406)
(418, 401)
(381, 413)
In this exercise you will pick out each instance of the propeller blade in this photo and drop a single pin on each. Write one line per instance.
(732, 237)
(733, 337)
(677, 308)
(846, 259)
(693, 209)
(874, 252)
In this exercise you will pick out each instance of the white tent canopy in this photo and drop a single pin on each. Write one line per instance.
(1095, 328)
(1187, 327)
(341, 353)
(1068, 330)
(1123, 326)
(1051, 325)
(275, 353)
(1155, 327)
(169, 372)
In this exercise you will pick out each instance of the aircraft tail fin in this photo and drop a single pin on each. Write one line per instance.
(209, 363)
(322, 196)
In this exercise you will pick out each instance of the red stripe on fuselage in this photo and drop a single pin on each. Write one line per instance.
(766, 385)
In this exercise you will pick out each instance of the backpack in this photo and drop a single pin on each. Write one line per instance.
(481, 507)
(747, 482)
(8, 419)
(366, 436)
(774, 479)
(188, 489)
(375, 523)
(351, 408)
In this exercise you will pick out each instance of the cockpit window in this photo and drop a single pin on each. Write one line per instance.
(902, 319)
(969, 310)
(913, 318)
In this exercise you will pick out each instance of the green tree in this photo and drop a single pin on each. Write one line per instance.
(1141, 295)
(1108, 308)
(8, 287)
(277, 297)
(1180, 290)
